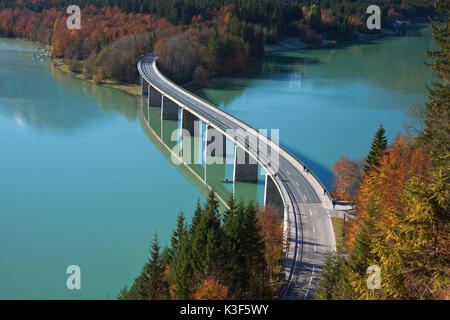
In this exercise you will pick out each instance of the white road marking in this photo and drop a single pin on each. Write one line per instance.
(310, 280)
(306, 294)
(315, 244)
(310, 212)
(329, 216)
(304, 197)
(297, 184)
(288, 172)
(313, 270)
(328, 211)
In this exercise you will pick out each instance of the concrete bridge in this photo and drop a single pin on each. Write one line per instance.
(305, 202)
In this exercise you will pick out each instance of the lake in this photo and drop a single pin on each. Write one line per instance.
(83, 182)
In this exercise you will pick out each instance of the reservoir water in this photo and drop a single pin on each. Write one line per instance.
(83, 182)
(328, 103)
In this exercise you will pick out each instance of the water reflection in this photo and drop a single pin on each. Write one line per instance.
(43, 97)
(392, 63)
(203, 172)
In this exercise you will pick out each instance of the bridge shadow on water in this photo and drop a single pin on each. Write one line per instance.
(324, 174)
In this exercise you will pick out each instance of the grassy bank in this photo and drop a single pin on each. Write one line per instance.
(338, 229)
(130, 88)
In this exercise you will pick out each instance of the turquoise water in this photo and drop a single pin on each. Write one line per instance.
(329, 103)
(80, 183)
(83, 182)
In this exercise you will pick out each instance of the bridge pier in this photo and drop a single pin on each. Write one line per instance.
(245, 167)
(272, 194)
(154, 97)
(190, 123)
(215, 146)
(169, 109)
(144, 87)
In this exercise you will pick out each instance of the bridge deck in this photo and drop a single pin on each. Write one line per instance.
(310, 234)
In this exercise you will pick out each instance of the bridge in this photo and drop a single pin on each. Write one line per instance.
(289, 184)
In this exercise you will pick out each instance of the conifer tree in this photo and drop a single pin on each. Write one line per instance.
(253, 248)
(235, 262)
(437, 128)
(182, 275)
(363, 244)
(178, 233)
(379, 144)
(197, 215)
(206, 239)
(123, 293)
(157, 284)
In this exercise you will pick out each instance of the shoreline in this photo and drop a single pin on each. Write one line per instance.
(293, 43)
(129, 88)
(285, 44)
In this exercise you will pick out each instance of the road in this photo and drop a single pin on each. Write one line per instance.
(307, 217)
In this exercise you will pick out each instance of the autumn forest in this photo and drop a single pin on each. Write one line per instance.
(195, 40)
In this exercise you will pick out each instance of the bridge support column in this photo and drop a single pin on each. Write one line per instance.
(154, 97)
(245, 167)
(144, 87)
(190, 123)
(169, 109)
(215, 145)
(271, 193)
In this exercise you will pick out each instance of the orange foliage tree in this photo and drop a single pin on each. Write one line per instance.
(211, 289)
(383, 187)
(346, 173)
(271, 227)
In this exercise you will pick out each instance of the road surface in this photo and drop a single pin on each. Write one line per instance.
(307, 217)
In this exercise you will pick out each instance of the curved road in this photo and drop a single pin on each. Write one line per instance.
(308, 208)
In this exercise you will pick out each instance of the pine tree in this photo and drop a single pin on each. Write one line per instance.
(253, 248)
(231, 208)
(182, 274)
(123, 293)
(362, 245)
(197, 215)
(437, 128)
(178, 233)
(379, 144)
(206, 239)
(334, 283)
(158, 287)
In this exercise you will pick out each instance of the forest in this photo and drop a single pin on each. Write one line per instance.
(231, 255)
(402, 219)
(195, 39)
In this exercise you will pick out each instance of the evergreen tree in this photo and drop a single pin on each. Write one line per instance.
(206, 239)
(361, 253)
(253, 248)
(334, 283)
(123, 294)
(197, 216)
(158, 286)
(437, 128)
(231, 208)
(178, 233)
(235, 262)
(182, 274)
(379, 144)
